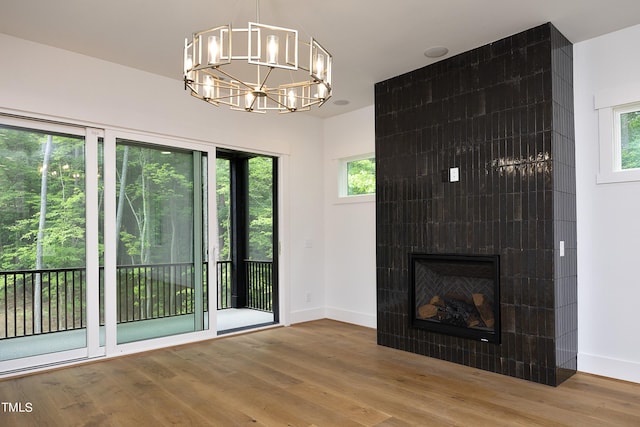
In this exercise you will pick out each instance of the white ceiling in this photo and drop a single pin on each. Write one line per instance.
(371, 40)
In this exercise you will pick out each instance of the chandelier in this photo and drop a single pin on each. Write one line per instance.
(257, 69)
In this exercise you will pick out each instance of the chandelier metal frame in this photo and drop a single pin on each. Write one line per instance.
(257, 69)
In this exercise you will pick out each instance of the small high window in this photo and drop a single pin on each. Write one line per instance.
(619, 134)
(361, 177)
(357, 176)
(627, 136)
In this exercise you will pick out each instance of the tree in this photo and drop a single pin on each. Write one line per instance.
(630, 140)
(19, 160)
(122, 173)
(43, 221)
(261, 208)
(155, 210)
(361, 177)
(37, 292)
(223, 189)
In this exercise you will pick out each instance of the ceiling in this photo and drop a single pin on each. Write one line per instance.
(371, 40)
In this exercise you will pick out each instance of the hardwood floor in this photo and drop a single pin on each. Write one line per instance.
(322, 373)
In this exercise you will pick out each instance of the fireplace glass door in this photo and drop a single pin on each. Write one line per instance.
(456, 295)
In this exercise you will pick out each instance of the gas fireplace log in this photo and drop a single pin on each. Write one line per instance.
(460, 298)
(485, 309)
(437, 301)
(459, 312)
(427, 311)
(473, 321)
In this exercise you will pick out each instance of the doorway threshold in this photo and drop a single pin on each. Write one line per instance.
(239, 319)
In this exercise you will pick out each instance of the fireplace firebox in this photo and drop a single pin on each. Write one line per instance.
(456, 295)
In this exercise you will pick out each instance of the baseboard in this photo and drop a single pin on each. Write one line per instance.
(608, 367)
(353, 317)
(306, 315)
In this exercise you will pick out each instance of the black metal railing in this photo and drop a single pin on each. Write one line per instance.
(224, 284)
(43, 301)
(259, 284)
(258, 287)
(156, 291)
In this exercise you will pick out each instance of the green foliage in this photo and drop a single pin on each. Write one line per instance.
(630, 144)
(361, 177)
(223, 191)
(157, 213)
(21, 156)
(261, 208)
(156, 221)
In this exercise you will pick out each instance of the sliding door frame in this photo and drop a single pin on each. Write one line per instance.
(111, 242)
(92, 298)
(93, 132)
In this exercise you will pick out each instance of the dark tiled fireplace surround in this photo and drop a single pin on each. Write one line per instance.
(503, 115)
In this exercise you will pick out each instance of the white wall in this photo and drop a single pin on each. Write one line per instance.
(307, 246)
(608, 218)
(40, 80)
(350, 228)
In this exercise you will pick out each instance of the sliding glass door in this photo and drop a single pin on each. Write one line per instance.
(103, 243)
(43, 242)
(161, 273)
(105, 247)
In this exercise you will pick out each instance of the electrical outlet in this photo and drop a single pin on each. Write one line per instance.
(454, 174)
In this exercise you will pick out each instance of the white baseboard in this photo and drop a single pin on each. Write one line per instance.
(356, 318)
(608, 367)
(306, 315)
(362, 319)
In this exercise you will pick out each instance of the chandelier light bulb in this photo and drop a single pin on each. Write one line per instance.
(214, 49)
(249, 97)
(188, 66)
(272, 49)
(208, 87)
(291, 100)
(322, 91)
(320, 66)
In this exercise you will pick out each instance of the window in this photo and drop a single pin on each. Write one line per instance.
(361, 177)
(627, 136)
(619, 134)
(357, 176)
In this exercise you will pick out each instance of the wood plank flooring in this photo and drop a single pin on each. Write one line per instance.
(322, 373)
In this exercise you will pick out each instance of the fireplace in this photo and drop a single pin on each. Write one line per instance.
(502, 115)
(456, 295)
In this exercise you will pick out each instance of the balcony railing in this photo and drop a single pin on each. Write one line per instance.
(156, 291)
(43, 301)
(259, 276)
(60, 305)
(224, 284)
